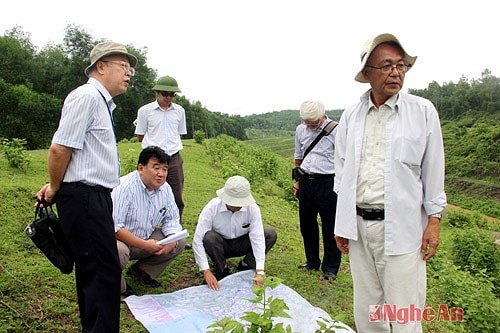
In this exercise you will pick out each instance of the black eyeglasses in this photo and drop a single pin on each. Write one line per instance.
(167, 93)
(386, 69)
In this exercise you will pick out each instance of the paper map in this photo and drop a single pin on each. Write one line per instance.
(192, 309)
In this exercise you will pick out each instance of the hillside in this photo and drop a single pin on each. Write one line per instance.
(37, 298)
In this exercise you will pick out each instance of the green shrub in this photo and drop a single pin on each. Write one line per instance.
(262, 319)
(256, 164)
(199, 136)
(15, 152)
(459, 288)
(474, 250)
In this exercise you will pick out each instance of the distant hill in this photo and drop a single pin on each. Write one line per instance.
(277, 123)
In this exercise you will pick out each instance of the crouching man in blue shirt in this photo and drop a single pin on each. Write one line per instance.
(144, 212)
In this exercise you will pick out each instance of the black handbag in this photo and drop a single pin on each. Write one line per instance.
(46, 233)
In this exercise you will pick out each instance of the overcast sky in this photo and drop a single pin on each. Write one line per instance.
(245, 57)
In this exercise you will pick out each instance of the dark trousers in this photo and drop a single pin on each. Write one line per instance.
(175, 178)
(87, 222)
(219, 249)
(316, 196)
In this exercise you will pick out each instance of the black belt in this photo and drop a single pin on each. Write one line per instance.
(94, 188)
(313, 176)
(370, 213)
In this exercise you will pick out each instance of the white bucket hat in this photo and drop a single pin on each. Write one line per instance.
(371, 44)
(236, 192)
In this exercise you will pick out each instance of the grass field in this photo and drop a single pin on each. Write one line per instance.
(283, 145)
(35, 297)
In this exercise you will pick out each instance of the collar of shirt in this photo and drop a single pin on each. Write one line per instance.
(223, 208)
(172, 106)
(391, 103)
(109, 100)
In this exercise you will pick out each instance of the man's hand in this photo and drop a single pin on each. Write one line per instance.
(210, 279)
(295, 188)
(152, 247)
(258, 279)
(167, 248)
(46, 193)
(342, 244)
(430, 239)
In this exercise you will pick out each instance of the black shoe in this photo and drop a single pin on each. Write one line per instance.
(223, 274)
(243, 266)
(142, 276)
(330, 276)
(128, 292)
(307, 266)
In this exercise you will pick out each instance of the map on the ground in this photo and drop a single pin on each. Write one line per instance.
(193, 309)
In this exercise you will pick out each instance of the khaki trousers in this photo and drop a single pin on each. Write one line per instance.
(399, 281)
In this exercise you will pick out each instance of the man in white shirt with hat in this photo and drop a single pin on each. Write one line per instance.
(231, 226)
(389, 161)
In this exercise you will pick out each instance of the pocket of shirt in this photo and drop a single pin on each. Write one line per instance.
(412, 151)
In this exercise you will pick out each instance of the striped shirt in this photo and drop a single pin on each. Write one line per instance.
(161, 128)
(321, 158)
(140, 211)
(86, 127)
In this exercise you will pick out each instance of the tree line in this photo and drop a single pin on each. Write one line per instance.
(34, 83)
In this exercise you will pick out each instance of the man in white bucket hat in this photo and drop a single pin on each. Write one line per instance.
(231, 226)
(389, 163)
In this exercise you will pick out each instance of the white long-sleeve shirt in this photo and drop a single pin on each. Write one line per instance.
(215, 216)
(413, 170)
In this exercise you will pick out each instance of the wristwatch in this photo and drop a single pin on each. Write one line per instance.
(260, 273)
(437, 215)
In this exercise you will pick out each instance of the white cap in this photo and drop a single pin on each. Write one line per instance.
(236, 192)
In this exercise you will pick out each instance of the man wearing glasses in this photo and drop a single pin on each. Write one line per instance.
(83, 167)
(161, 123)
(389, 162)
(314, 188)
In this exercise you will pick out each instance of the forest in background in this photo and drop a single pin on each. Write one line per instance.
(34, 83)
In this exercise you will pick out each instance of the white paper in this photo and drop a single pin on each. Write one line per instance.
(173, 238)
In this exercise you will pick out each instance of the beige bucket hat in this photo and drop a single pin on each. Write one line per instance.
(371, 44)
(105, 49)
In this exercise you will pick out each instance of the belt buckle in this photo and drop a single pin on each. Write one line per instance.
(373, 214)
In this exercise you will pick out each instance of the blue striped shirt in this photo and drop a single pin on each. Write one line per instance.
(86, 127)
(140, 211)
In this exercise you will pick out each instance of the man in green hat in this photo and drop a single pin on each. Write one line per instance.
(161, 123)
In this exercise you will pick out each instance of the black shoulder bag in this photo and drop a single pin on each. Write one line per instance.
(46, 233)
(297, 172)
